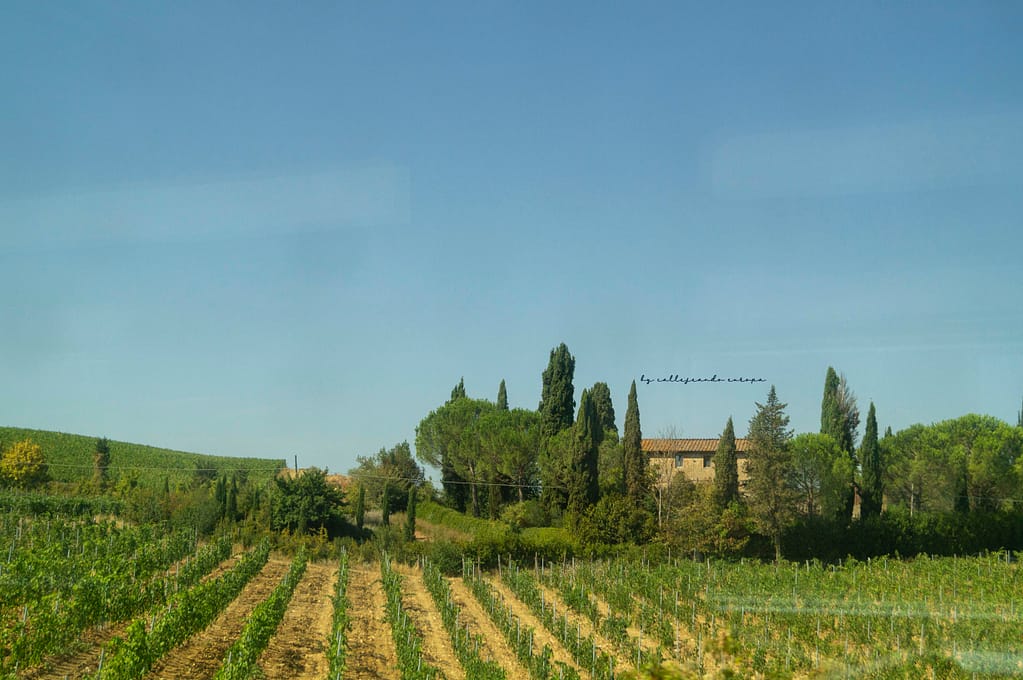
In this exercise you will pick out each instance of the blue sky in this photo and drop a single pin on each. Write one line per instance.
(267, 229)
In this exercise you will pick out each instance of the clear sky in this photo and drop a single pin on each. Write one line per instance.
(273, 229)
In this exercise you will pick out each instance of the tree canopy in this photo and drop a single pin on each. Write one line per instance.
(23, 465)
(872, 473)
(840, 418)
(557, 398)
(600, 393)
(726, 468)
(820, 474)
(502, 396)
(771, 498)
(637, 481)
(394, 466)
(307, 503)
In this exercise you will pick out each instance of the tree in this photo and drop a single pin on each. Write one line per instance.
(967, 463)
(600, 393)
(307, 503)
(1019, 416)
(231, 505)
(872, 482)
(410, 515)
(458, 391)
(557, 399)
(451, 437)
(820, 474)
(840, 418)
(726, 468)
(385, 506)
(502, 397)
(771, 500)
(360, 507)
(511, 442)
(610, 465)
(23, 465)
(555, 471)
(220, 494)
(395, 466)
(583, 486)
(101, 463)
(663, 479)
(637, 479)
(437, 437)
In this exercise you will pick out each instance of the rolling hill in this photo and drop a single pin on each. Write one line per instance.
(69, 457)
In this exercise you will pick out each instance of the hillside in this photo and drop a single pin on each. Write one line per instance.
(69, 457)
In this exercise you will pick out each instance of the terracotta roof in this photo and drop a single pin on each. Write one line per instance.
(667, 447)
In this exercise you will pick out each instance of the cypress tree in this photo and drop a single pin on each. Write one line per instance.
(872, 489)
(455, 488)
(726, 468)
(385, 506)
(1019, 416)
(557, 399)
(636, 479)
(360, 507)
(840, 418)
(232, 500)
(584, 489)
(410, 515)
(220, 494)
(830, 419)
(458, 391)
(600, 393)
(502, 397)
(101, 463)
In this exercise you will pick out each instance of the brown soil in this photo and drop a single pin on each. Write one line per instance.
(647, 643)
(296, 650)
(227, 565)
(494, 645)
(417, 601)
(202, 654)
(585, 627)
(77, 664)
(371, 652)
(86, 660)
(541, 635)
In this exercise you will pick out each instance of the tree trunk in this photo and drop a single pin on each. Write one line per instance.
(777, 548)
(475, 499)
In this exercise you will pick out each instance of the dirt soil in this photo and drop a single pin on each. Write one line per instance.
(297, 650)
(647, 643)
(201, 655)
(417, 601)
(86, 660)
(541, 635)
(494, 645)
(371, 652)
(585, 626)
(77, 664)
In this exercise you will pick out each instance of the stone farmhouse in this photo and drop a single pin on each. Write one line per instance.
(693, 458)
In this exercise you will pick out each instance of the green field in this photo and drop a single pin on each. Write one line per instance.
(69, 457)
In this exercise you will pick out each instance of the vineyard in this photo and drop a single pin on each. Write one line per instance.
(87, 599)
(69, 458)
